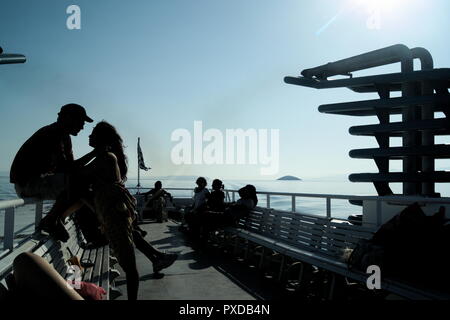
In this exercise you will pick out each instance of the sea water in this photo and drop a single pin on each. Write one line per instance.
(24, 217)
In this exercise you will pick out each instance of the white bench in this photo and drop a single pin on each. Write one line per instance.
(316, 241)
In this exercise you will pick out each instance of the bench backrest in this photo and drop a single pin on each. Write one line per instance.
(313, 233)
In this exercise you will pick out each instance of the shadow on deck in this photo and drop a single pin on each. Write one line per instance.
(200, 274)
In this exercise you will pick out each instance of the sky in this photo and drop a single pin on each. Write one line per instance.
(151, 68)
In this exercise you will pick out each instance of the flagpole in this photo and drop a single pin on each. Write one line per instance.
(139, 176)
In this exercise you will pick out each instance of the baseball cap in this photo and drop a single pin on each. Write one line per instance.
(73, 109)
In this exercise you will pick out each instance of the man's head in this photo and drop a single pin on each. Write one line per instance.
(217, 184)
(201, 182)
(72, 117)
(158, 185)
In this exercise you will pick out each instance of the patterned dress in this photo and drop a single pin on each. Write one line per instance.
(115, 208)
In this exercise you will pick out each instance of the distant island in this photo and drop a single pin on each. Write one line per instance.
(289, 178)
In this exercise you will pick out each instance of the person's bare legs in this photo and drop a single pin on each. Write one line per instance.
(88, 202)
(128, 264)
(132, 284)
(146, 248)
(37, 279)
(69, 200)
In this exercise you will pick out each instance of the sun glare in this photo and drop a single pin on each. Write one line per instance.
(385, 5)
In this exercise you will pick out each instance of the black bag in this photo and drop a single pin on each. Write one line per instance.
(411, 246)
(365, 254)
(86, 221)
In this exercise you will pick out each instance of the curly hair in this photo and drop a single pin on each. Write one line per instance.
(107, 135)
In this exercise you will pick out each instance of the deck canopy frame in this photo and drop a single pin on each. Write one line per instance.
(11, 58)
(423, 93)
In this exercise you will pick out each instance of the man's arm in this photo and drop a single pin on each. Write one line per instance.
(148, 192)
(84, 160)
(67, 161)
(168, 195)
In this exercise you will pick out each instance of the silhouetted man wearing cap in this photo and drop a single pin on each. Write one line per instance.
(44, 164)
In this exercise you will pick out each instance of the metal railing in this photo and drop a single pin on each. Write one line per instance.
(398, 200)
(9, 206)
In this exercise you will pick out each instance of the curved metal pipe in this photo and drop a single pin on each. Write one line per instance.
(12, 58)
(380, 57)
(9, 58)
(426, 60)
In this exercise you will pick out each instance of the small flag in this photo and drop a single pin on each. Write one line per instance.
(141, 158)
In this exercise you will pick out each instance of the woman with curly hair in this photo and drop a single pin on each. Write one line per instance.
(115, 206)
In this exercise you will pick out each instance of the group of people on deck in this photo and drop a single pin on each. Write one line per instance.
(210, 212)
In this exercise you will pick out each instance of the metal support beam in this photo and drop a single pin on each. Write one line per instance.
(8, 240)
(38, 216)
(328, 208)
(427, 137)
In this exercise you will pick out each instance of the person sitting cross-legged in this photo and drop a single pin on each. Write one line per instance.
(157, 201)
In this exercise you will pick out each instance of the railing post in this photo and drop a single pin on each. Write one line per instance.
(8, 240)
(328, 208)
(232, 197)
(38, 216)
(293, 203)
(378, 213)
(268, 201)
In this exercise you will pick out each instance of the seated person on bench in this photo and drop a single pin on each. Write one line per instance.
(216, 201)
(242, 207)
(44, 168)
(193, 213)
(157, 201)
(211, 218)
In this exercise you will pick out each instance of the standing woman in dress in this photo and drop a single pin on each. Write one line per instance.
(114, 205)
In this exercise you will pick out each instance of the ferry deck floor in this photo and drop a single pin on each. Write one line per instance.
(202, 274)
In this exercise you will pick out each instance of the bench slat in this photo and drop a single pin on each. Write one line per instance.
(104, 278)
(97, 269)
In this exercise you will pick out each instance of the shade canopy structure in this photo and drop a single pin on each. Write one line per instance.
(11, 58)
(424, 93)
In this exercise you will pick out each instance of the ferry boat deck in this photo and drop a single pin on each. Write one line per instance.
(197, 274)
